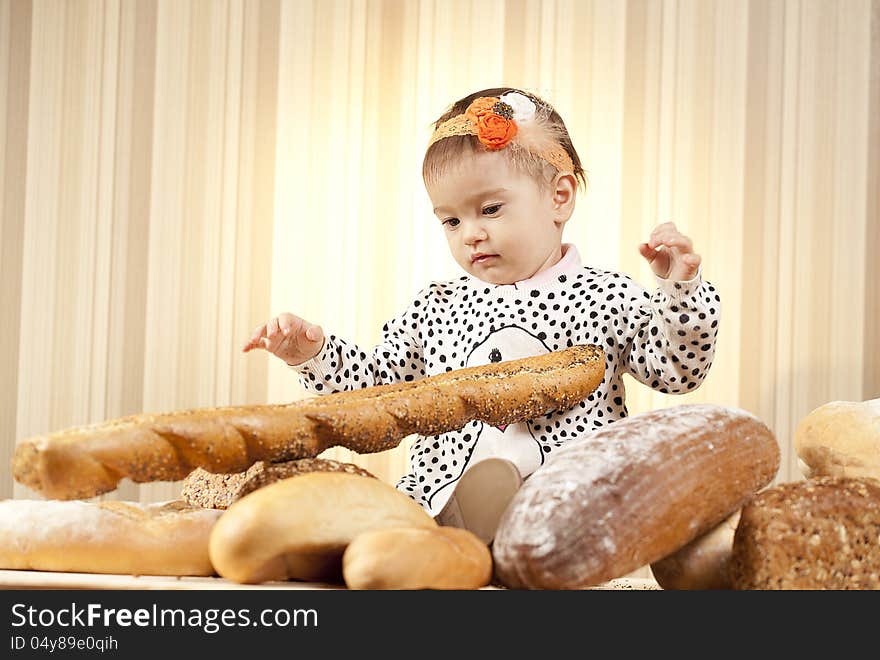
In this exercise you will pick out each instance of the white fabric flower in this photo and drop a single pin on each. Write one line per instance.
(523, 107)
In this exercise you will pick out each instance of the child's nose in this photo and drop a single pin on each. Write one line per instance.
(474, 233)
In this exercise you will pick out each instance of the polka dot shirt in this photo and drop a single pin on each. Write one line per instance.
(665, 340)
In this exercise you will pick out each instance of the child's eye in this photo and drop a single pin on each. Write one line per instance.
(492, 210)
(451, 222)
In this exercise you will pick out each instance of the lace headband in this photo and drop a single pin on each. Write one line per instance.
(513, 119)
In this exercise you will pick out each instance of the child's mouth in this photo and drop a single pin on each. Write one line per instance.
(483, 258)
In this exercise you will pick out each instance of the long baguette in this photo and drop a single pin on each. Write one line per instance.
(89, 460)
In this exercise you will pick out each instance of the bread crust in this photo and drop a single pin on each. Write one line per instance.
(219, 491)
(840, 439)
(417, 558)
(299, 528)
(89, 460)
(820, 533)
(631, 493)
(169, 538)
(704, 563)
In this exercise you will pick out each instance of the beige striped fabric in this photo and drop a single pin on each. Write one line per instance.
(174, 172)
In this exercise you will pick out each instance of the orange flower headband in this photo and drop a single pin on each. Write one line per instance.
(513, 119)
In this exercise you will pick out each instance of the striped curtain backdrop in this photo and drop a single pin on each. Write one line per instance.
(173, 173)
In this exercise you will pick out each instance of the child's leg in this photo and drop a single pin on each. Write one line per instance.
(481, 496)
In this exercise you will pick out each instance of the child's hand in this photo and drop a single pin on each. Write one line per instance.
(670, 254)
(288, 337)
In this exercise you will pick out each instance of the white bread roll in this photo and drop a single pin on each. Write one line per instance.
(417, 558)
(704, 563)
(131, 538)
(299, 528)
(840, 439)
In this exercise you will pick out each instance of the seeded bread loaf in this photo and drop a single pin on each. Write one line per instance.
(631, 493)
(219, 491)
(86, 461)
(822, 533)
(168, 538)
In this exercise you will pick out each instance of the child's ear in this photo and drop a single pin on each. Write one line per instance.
(564, 190)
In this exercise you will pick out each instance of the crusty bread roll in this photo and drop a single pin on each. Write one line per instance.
(820, 533)
(299, 528)
(218, 491)
(89, 460)
(630, 493)
(840, 439)
(417, 558)
(704, 563)
(168, 538)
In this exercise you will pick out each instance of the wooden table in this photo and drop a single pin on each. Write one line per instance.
(52, 580)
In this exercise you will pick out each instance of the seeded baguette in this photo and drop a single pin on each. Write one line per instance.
(631, 493)
(90, 460)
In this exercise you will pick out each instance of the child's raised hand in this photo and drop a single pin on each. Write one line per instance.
(670, 253)
(288, 337)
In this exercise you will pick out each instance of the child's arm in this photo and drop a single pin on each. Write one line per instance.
(328, 364)
(670, 336)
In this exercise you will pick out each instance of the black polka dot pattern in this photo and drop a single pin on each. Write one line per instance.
(665, 340)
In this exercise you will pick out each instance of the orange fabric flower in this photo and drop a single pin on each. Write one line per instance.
(494, 131)
(480, 107)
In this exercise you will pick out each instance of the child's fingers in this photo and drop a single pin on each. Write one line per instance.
(288, 323)
(314, 333)
(647, 252)
(272, 328)
(254, 341)
(661, 229)
(679, 241)
(692, 261)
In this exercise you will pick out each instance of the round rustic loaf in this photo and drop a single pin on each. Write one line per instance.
(631, 493)
(840, 439)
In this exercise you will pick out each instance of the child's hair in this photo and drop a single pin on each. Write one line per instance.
(551, 131)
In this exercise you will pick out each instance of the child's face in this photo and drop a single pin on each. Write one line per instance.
(501, 226)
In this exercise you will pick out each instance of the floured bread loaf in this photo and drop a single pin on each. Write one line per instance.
(131, 538)
(417, 558)
(840, 439)
(704, 563)
(89, 460)
(218, 491)
(631, 493)
(820, 533)
(299, 528)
